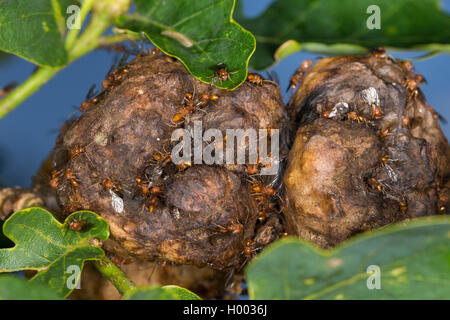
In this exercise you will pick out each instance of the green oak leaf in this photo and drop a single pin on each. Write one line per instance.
(340, 27)
(413, 257)
(15, 288)
(201, 34)
(49, 247)
(34, 30)
(160, 293)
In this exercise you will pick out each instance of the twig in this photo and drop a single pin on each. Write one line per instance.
(114, 275)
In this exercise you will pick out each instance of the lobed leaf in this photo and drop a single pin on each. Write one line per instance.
(15, 288)
(201, 34)
(34, 30)
(49, 247)
(340, 27)
(413, 257)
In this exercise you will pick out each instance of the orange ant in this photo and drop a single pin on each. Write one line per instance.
(90, 99)
(353, 116)
(76, 151)
(299, 73)
(405, 121)
(384, 133)
(206, 97)
(189, 105)
(249, 247)
(255, 79)
(379, 52)
(184, 165)
(325, 114)
(221, 73)
(162, 158)
(419, 78)
(7, 89)
(143, 185)
(54, 181)
(259, 189)
(153, 201)
(407, 65)
(156, 51)
(85, 105)
(76, 224)
(403, 207)
(156, 190)
(262, 216)
(374, 184)
(109, 185)
(252, 169)
(234, 228)
(377, 113)
(412, 86)
(71, 177)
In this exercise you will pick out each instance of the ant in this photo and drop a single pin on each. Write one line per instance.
(76, 151)
(156, 51)
(110, 185)
(375, 184)
(153, 201)
(262, 215)
(71, 177)
(189, 105)
(385, 132)
(54, 181)
(436, 115)
(403, 206)
(379, 52)
(184, 165)
(162, 158)
(405, 121)
(353, 116)
(259, 189)
(116, 195)
(206, 97)
(90, 99)
(376, 112)
(299, 73)
(144, 185)
(412, 86)
(7, 89)
(407, 65)
(255, 79)
(76, 224)
(249, 247)
(252, 169)
(156, 190)
(234, 228)
(221, 73)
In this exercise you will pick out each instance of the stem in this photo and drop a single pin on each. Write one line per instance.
(73, 33)
(88, 41)
(114, 274)
(108, 40)
(26, 89)
(426, 56)
(90, 38)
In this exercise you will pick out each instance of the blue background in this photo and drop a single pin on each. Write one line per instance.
(28, 134)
